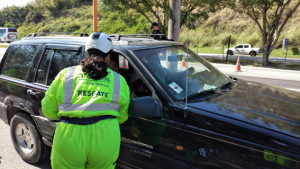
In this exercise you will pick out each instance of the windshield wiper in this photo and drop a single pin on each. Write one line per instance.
(201, 93)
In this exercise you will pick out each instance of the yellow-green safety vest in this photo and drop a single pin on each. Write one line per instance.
(78, 95)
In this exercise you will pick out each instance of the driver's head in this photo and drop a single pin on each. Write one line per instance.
(113, 65)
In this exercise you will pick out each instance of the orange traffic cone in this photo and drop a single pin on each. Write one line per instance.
(238, 65)
(124, 63)
(183, 62)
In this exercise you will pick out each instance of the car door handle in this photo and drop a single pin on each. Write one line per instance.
(32, 92)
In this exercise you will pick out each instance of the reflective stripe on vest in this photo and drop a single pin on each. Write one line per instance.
(67, 106)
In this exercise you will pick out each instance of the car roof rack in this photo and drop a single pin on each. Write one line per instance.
(117, 37)
(56, 33)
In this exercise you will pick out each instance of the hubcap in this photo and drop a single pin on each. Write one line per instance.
(24, 138)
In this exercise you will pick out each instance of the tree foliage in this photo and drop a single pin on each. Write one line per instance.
(158, 10)
(15, 16)
(270, 17)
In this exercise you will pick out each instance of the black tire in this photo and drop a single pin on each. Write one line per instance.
(229, 52)
(27, 140)
(252, 53)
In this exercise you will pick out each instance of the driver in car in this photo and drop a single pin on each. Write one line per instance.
(164, 75)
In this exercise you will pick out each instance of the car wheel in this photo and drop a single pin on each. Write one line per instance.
(27, 140)
(229, 52)
(253, 53)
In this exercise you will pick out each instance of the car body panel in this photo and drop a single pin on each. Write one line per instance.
(271, 111)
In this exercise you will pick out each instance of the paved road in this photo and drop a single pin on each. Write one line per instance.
(287, 84)
(247, 57)
(289, 79)
(10, 158)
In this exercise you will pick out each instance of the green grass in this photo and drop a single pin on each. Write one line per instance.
(215, 50)
(291, 53)
(3, 46)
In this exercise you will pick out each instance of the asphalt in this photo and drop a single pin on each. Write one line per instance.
(10, 158)
(288, 79)
(259, 72)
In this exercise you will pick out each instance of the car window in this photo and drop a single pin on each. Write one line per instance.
(19, 60)
(123, 63)
(44, 65)
(62, 59)
(246, 46)
(240, 46)
(12, 30)
(2, 31)
(176, 70)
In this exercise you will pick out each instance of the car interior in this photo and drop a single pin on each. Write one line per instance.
(134, 81)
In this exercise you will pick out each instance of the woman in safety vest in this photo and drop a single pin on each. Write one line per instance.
(91, 101)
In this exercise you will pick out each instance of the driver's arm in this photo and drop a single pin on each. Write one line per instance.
(170, 75)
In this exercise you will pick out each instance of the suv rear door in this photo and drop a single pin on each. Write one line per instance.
(51, 61)
(14, 75)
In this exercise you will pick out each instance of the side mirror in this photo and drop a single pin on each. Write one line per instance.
(144, 107)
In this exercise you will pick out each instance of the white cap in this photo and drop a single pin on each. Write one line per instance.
(100, 41)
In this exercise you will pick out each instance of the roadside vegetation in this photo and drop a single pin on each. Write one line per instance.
(3, 46)
(214, 32)
(209, 35)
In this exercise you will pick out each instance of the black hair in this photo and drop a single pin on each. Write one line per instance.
(153, 24)
(95, 65)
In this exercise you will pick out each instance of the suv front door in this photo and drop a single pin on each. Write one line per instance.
(53, 59)
(145, 142)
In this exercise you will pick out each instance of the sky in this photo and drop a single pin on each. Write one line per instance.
(5, 3)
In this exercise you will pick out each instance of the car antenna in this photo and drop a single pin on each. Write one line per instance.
(187, 64)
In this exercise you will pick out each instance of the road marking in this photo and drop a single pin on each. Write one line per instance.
(297, 90)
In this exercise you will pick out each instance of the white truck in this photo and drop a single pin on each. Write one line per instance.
(246, 49)
(8, 35)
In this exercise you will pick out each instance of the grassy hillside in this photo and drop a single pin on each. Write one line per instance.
(215, 31)
(81, 20)
(212, 33)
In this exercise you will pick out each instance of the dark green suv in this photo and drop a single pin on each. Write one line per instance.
(184, 113)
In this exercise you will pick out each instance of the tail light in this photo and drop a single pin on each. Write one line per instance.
(7, 36)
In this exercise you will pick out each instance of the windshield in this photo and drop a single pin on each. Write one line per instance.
(170, 66)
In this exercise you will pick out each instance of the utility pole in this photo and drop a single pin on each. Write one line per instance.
(174, 20)
(95, 15)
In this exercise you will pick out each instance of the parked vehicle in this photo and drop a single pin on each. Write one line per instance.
(8, 35)
(180, 117)
(246, 49)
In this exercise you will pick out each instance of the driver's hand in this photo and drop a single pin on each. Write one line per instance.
(192, 70)
(183, 74)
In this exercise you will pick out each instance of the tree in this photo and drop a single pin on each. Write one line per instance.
(270, 16)
(158, 10)
(174, 20)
